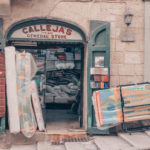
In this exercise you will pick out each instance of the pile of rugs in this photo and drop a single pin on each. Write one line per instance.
(136, 102)
(123, 104)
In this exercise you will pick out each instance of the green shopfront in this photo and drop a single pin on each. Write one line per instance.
(64, 54)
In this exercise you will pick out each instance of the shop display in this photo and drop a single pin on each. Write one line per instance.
(12, 100)
(24, 65)
(37, 106)
(136, 100)
(107, 106)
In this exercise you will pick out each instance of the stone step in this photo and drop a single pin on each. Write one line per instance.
(48, 146)
(139, 140)
(23, 147)
(112, 143)
(80, 146)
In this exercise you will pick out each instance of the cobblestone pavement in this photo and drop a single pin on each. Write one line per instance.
(124, 141)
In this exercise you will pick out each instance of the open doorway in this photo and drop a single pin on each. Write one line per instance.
(60, 83)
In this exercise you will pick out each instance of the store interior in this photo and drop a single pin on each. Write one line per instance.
(59, 80)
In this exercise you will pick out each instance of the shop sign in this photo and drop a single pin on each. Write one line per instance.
(46, 31)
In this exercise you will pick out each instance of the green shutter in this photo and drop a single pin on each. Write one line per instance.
(99, 45)
(1, 35)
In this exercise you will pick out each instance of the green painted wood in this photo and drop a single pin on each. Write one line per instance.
(2, 43)
(2, 120)
(2, 125)
(36, 21)
(99, 45)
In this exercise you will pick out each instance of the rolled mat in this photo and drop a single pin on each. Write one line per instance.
(27, 118)
(14, 123)
(37, 106)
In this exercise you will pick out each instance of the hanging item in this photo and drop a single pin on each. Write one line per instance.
(27, 119)
(107, 106)
(37, 106)
(14, 124)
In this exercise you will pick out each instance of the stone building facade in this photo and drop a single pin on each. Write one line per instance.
(127, 58)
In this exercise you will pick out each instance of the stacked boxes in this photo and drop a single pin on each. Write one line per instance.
(2, 85)
(100, 78)
(136, 102)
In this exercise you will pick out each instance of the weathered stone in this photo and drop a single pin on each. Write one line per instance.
(134, 58)
(114, 81)
(126, 69)
(23, 147)
(80, 146)
(114, 69)
(138, 140)
(117, 58)
(49, 146)
(131, 79)
(112, 143)
(139, 69)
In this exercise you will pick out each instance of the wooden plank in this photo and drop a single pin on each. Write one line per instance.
(112, 143)
(138, 140)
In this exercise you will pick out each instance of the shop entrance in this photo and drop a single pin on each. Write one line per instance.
(59, 80)
(58, 49)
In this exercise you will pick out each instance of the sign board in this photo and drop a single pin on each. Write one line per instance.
(46, 31)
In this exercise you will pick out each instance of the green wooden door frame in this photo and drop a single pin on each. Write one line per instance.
(36, 21)
(2, 45)
(97, 47)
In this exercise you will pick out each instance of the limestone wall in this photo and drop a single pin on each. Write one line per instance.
(127, 59)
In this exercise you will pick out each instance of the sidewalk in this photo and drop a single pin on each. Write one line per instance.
(124, 141)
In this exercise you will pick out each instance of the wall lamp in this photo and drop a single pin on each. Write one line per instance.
(128, 17)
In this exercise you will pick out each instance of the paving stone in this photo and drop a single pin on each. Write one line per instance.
(138, 140)
(48, 146)
(147, 132)
(23, 147)
(80, 146)
(112, 143)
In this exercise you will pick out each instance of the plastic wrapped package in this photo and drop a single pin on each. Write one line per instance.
(107, 106)
(12, 100)
(136, 102)
(27, 119)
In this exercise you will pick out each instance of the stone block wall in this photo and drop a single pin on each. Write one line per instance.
(127, 58)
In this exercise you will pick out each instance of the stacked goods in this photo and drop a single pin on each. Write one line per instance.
(107, 106)
(136, 102)
(2, 85)
(100, 78)
(62, 85)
